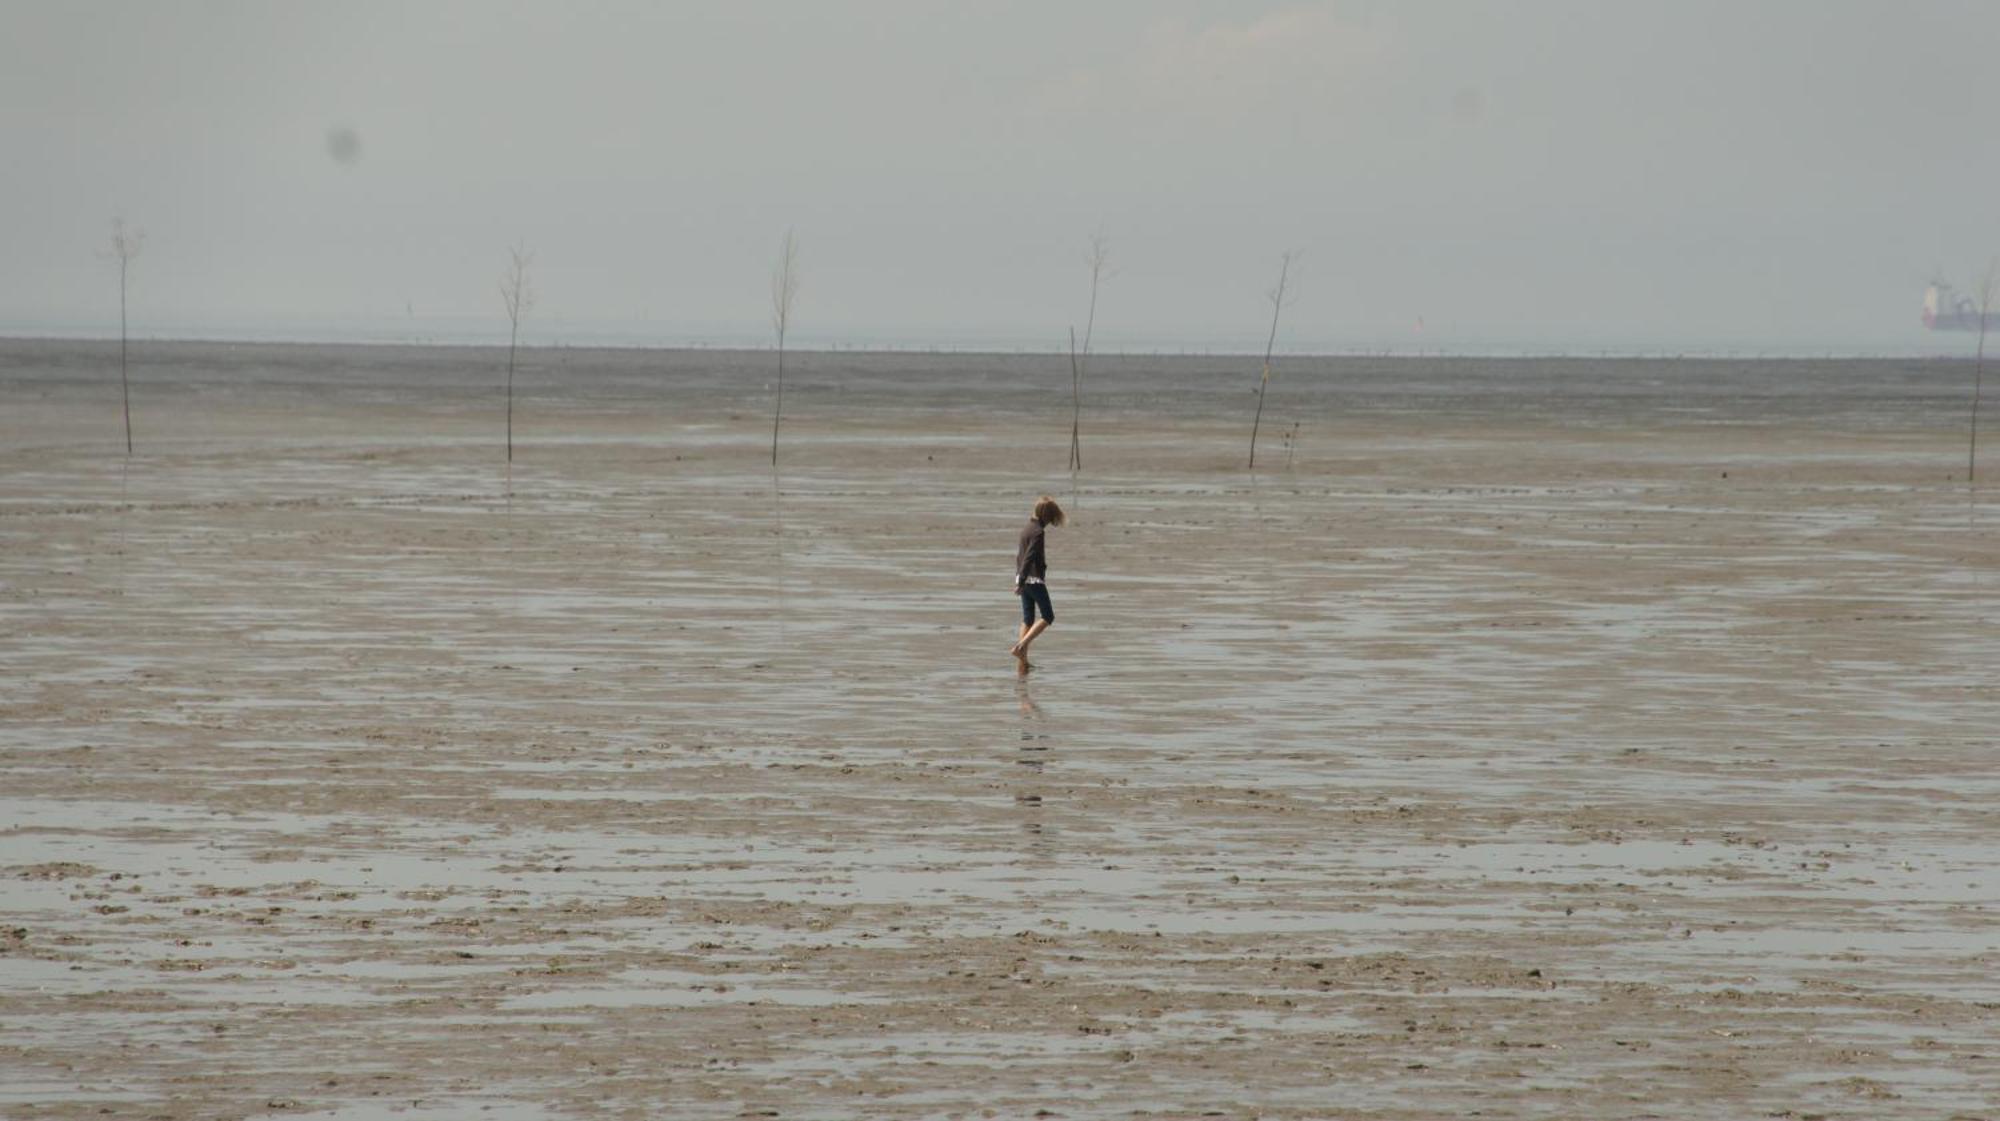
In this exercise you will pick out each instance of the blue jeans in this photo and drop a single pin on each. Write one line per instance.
(1033, 596)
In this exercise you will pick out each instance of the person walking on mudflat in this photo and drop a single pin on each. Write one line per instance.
(1031, 575)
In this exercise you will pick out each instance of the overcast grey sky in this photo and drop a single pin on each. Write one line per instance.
(1544, 175)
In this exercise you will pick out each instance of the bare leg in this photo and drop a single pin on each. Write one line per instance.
(1028, 635)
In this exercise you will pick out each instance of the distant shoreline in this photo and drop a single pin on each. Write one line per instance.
(1712, 354)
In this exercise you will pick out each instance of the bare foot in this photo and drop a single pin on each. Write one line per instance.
(1018, 652)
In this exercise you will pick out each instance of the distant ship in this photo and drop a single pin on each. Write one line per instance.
(1946, 310)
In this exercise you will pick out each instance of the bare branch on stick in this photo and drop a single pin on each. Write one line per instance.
(1098, 260)
(1989, 289)
(1279, 299)
(519, 297)
(126, 242)
(784, 289)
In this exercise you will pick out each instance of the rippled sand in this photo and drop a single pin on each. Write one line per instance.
(1582, 739)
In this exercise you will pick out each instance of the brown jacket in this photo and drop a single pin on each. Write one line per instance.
(1031, 559)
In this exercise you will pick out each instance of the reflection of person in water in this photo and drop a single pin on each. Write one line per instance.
(1030, 711)
(1031, 570)
(1030, 794)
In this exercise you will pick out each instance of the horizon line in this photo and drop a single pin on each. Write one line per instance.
(199, 336)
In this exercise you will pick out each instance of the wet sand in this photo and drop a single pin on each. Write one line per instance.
(1532, 740)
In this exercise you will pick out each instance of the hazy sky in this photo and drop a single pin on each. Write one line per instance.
(1750, 173)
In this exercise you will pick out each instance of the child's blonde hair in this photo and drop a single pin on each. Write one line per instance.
(1047, 512)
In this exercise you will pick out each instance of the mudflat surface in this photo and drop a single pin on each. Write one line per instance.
(1523, 740)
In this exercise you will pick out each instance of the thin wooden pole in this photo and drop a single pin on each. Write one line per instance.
(784, 285)
(1263, 383)
(1978, 373)
(1075, 406)
(1076, 366)
(124, 376)
(778, 413)
(1986, 293)
(513, 337)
